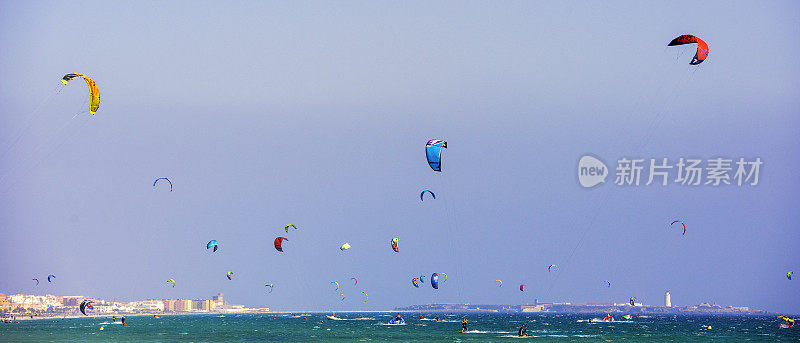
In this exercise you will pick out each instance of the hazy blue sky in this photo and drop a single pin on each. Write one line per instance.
(317, 113)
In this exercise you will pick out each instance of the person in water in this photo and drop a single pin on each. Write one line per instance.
(464, 325)
(523, 331)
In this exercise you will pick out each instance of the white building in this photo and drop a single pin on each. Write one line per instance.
(667, 300)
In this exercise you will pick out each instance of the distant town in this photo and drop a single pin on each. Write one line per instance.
(632, 307)
(24, 305)
(55, 306)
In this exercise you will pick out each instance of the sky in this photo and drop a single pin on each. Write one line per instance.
(317, 113)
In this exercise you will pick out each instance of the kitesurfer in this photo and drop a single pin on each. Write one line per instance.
(436, 318)
(464, 325)
(123, 320)
(398, 318)
(523, 331)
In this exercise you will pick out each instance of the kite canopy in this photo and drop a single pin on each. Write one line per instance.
(414, 282)
(522, 288)
(344, 247)
(163, 178)
(212, 244)
(394, 243)
(433, 151)
(335, 283)
(354, 279)
(499, 282)
(702, 48)
(435, 280)
(423, 193)
(84, 305)
(286, 228)
(682, 223)
(551, 266)
(229, 274)
(94, 92)
(50, 277)
(445, 276)
(788, 275)
(279, 242)
(608, 282)
(366, 296)
(422, 278)
(789, 322)
(173, 282)
(271, 286)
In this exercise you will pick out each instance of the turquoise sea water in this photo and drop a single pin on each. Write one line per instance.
(371, 327)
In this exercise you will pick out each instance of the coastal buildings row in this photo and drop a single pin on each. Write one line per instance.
(592, 307)
(53, 304)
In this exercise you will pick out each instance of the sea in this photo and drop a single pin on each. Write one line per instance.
(373, 327)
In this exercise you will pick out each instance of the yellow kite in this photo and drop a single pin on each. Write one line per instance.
(94, 93)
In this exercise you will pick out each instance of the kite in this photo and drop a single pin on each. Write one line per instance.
(271, 286)
(173, 282)
(414, 282)
(680, 221)
(49, 277)
(433, 151)
(212, 243)
(551, 266)
(336, 283)
(94, 92)
(445, 277)
(344, 247)
(435, 280)
(789, 322)
(423, 193)
(500, 282)
(422, 278)
(702, 47)
(278, 242)
(789, 274)
(84, 305)
(342, 295)
(229, 274)
(522, 288)
(354, 279)
(394, 244)
(366, 296)
(608, 282)
(286, 228)
(37, 281)
(163, 178)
